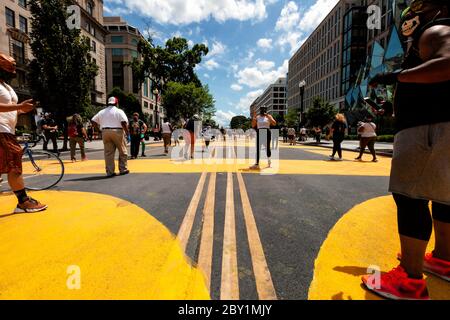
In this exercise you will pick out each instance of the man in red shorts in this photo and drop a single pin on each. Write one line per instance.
(10, 150)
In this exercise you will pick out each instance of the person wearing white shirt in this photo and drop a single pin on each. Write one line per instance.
(10, 150)
(114, 125)
(166, 130)
(262, 123)
(367, 131)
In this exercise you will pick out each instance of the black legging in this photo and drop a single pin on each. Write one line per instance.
(135, 144)
(368, 142)
(259, 143)
(337, 140)
(414, 218)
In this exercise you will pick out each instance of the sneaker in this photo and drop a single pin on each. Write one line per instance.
(375, 160)
(270, 163)
(435, 266)
(123, 173)
(30, 206)
(339, 159)
(396, 285)
(254, 167)
(112, 175)
(331, 158)
(358, 159)
(143, 155)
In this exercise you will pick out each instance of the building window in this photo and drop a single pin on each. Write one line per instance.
(10, 18)
(90, 8)
(116, 39)
(23, 3)
(134, 54)
(118, 75)
(23, 24)
(134, 42)
(94, 46)
(117, 51)
(18, 51)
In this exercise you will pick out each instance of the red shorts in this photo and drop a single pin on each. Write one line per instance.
(10, 154)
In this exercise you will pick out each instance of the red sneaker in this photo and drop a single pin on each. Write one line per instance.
(439, 268)
(396, 285)
(435, 266)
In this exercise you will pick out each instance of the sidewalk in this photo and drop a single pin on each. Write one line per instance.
(381, 148)
(94, 146)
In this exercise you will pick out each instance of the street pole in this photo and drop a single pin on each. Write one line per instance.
(302, 86)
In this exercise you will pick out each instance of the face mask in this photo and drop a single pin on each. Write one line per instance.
(409, 26)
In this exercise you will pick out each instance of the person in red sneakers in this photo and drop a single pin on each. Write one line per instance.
(10, 150)
(421, 162)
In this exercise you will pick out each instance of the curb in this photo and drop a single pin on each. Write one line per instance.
(378, 152)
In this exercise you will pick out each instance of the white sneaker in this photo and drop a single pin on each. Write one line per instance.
(331, 158)
(270, 163)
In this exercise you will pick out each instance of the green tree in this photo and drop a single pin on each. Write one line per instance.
(240, 122)
(321, 113)
(175, 62)
(292, 117)
(127, 102)
(61, 72)
(185, 100)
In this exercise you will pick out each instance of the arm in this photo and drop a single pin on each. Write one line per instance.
(272, 120)
(145, 128)
(95, 125)
(125, 127)
(24, 107)
(85, 136)
(434, 49)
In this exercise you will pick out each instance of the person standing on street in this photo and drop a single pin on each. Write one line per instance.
(137, 128)
(90, 132)
(420, 171)
(77, 135)
(262, 123)
(367, 131)
(284, 132)
(10, 150)
(318, 134)
(114, 125)
(50, 132)
(338, 132)
(291, 136)
(167, 130)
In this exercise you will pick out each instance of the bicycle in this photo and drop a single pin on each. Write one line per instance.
(42, 170)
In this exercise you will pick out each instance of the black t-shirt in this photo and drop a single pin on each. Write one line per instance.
(339, 128)
(136, 127)
(47, 122)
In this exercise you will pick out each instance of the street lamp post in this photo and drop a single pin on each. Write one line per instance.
(302, 86)
(156, 93)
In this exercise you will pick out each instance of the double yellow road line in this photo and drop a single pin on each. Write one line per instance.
(229, 289)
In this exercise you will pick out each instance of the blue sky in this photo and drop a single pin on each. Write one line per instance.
(250, 41)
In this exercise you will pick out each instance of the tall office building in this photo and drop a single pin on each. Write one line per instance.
(121, 47)
(318, 62)
(274, 98)
(15, 20)
(92, 28)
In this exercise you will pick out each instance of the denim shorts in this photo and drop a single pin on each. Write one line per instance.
(421, 163)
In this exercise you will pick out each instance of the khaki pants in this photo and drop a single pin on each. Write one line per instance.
(167, 137)
(73, 146)
(112, 140)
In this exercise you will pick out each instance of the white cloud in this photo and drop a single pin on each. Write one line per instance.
(264, 43)
(218, 48)
(246, 101)
(294, 27)
(224, 117)
(211, 64)
(236, 87)
(289, 17)
(316, 13)
(262, 74)
(206, 75)
(189, 11)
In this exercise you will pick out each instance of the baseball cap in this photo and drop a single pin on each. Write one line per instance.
(113, 101)
(7, 63)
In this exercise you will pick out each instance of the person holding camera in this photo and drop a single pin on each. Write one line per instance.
(262, 123)
(10, 150)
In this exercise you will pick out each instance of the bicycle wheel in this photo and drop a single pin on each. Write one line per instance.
(42, 170)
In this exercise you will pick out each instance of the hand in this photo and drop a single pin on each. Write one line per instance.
(26, 106)
(386, 78)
